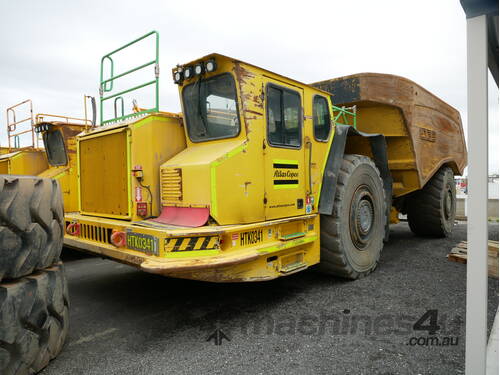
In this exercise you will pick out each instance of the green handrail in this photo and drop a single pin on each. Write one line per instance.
(106, 85)
(342, 113)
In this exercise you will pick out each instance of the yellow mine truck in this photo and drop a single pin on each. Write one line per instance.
(57, 159)
(263, 176)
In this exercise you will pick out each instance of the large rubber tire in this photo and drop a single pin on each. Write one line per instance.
(31, 225)
(431, 211)
(34, 320)
(351, 248)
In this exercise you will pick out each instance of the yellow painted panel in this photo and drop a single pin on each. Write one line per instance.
(388, 120)
(4, 167)
(103, 174)
(67, 178)
(195, 168)
(155, 139)
(381, 119)
(238, 186)
(28, 162)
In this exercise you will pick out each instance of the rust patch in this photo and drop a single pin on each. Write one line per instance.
(195, 265)
(132, 260)
(220, 275)
(69, 132)
(249, 94)
(241, 76)
(433, 128)
(259, 99)
(254, 112)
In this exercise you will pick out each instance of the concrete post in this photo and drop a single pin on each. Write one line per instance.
(477, 210)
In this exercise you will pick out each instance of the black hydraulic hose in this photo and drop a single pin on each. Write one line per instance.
(94, 109)
(148, 188)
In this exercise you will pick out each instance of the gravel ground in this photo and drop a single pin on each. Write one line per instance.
(124, 321)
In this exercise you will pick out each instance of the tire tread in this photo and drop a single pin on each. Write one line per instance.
(333, 259)
(31, 225)
(34, 312)
(424, 208)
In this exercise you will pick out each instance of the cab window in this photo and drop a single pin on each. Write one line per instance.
(283, 117)
(321, 118)
(211, 108)
(54, 146)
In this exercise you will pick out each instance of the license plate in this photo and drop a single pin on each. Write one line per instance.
(142, 242)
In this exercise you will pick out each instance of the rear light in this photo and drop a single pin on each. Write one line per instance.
(118, 238)
(73, 229)
(142, 209)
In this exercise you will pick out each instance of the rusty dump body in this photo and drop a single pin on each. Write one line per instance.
(423, 133)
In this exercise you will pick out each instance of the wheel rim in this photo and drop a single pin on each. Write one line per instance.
(448, 204)
(365, 216)
(361, 217)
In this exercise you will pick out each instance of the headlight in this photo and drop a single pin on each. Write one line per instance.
(210, 65)
(188, 72)
(178, 77)
(198, 69)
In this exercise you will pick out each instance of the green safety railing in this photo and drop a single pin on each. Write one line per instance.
(344, 115)
(106, 85)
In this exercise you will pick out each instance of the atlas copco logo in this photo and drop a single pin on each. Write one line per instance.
(287, 174)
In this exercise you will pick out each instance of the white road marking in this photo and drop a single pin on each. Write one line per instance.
(90, 338)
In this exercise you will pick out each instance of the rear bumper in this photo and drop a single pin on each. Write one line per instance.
(158, 265)
(250, 252)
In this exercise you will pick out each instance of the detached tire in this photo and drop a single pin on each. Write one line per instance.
(352, 237)
(431, 211)
(31, 225)
(34, 316)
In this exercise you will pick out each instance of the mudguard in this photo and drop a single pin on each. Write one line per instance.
(330, 175)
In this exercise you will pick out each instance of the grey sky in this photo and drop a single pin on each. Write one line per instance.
(50, 50)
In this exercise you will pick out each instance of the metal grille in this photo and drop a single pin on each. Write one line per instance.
(95, 233)
(427, 134)
(171, 185)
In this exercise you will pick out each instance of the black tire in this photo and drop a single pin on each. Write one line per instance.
(34, 321)
(31, 225)
(352, 237)
(431, 211)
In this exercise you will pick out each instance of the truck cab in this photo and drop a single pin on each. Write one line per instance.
(256, 141)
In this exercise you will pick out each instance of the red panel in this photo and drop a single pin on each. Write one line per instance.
(183, 216)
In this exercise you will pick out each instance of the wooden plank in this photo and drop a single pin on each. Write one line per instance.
(459, 254)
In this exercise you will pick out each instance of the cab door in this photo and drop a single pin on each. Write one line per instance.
(284, 151)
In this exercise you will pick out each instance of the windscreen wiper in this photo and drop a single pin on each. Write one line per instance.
(200, 112)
